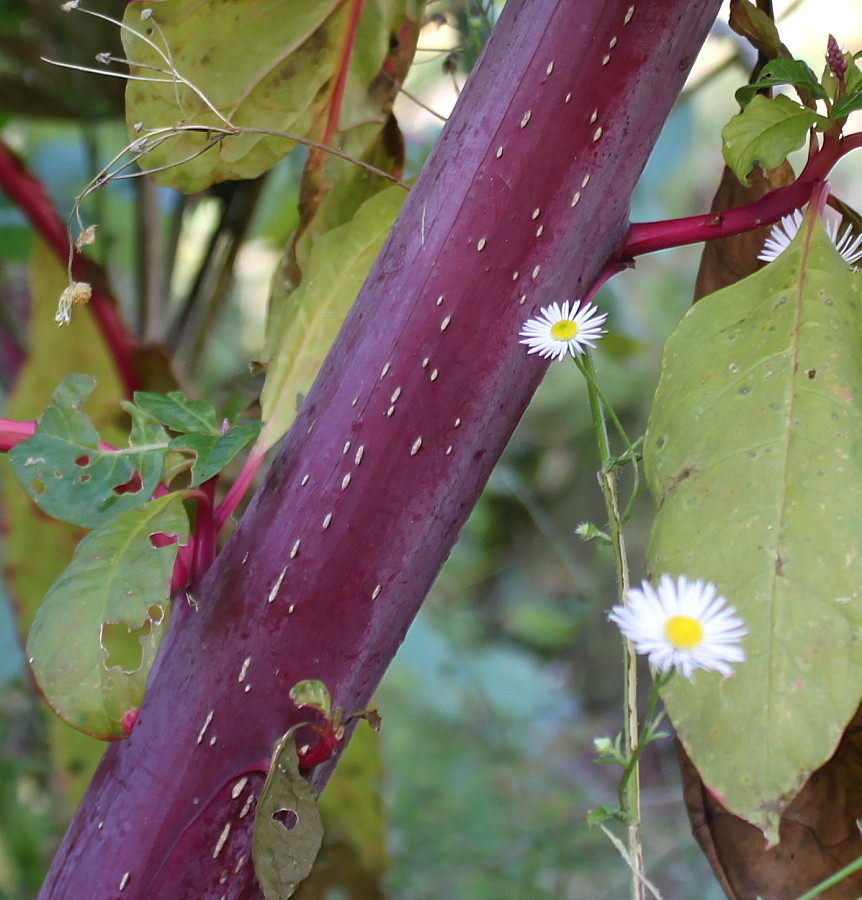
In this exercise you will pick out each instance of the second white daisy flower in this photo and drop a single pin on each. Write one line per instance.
(558, 331)
(682, 625)
(783, 232)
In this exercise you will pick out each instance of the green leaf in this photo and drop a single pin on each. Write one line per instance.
(753, 456)
(175, 412)
(765, 132)
(271, 65)
(200, 431)
(95, 636)
(783, 71)
(849, 103)
(66, 473)
(287, 827)
(304, 323)
(213, 453)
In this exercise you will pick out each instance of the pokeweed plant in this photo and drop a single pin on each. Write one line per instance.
(377, 470)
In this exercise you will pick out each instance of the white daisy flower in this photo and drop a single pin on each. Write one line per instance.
(557, 331)
(681, 625)
(783, 232)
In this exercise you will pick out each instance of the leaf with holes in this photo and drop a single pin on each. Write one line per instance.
(305, 323)
(307, 55)
(753, 456)
(70, 477)
(95, 636)
(287, 827)
(765, 132)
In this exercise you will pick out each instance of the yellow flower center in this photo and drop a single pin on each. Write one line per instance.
(564, 330)
(683, 632)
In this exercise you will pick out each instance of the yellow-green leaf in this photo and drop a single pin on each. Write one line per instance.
(304, 323)
(753, 455)
(765, 132)
(272, 65)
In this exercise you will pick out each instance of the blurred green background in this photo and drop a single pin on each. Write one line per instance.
(511, 669)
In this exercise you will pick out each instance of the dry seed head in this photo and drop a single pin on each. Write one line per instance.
(76, 294)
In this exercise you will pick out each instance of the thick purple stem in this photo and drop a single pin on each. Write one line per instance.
(523, 201)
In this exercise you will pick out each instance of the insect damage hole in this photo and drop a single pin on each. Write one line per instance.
(287, 817)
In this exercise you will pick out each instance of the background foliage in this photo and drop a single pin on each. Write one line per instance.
(511, 670)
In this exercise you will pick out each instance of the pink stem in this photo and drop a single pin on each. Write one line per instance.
(12, 433)
(237, 490)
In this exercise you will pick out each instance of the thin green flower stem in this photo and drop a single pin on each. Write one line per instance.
(651, 723)
(588, 371)
(840, 875)
(630, 801)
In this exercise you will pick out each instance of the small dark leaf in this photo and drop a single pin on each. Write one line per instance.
(287, 827)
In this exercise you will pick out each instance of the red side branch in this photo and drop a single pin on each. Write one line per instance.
(648, 237)
(28, 194)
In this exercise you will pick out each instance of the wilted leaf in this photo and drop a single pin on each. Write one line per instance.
(758, 28)
(306, 321)
(272, 65)
(765, 132)
(287, 827)
(752, 455)
(66, 473)
(95, 636)
(819, 832)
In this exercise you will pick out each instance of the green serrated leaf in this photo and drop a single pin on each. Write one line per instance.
(213, 453)
(795, 72)
(765, 132)
(175, 412)
(285, 85)
(305, 322)
(95, 636)
(753, 456)
(65, 472)
(287, 827)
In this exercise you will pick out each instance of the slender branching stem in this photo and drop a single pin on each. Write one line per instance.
(630, 791)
